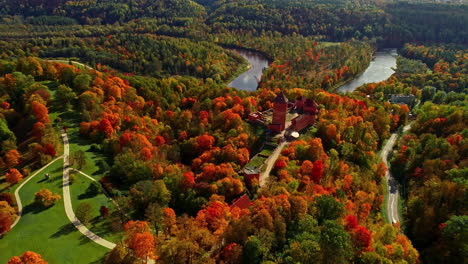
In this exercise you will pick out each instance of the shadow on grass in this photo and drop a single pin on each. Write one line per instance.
(86, 195)
(99, 226)
(34, 208)
(64, 230)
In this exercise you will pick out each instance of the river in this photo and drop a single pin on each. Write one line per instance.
(248, 80)
(380, 69)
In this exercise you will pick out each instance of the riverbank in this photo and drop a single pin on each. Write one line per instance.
(250, 78)
(380, 68)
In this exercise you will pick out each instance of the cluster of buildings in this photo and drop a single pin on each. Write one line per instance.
(305, 109)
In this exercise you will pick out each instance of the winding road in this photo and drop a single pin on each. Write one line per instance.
(392, 201)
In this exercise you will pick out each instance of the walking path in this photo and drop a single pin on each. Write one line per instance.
(263, 179)
(105, 192)
(18, 198)
(392, 201)
(67, 200)
(270, 162)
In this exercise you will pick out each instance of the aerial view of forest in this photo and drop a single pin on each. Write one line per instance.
(233, 131)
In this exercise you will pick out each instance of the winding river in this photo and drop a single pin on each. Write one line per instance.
(248, 80)
(380, 69)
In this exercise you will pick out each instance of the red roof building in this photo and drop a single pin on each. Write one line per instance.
(242, 202)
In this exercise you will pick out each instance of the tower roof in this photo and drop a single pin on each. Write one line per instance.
(281, 98)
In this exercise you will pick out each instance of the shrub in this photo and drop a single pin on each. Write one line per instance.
(46, 198)
(84, 212)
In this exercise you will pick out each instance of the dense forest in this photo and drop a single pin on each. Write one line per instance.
(151, 97)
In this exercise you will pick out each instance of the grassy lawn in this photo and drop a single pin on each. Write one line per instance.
(256, 162)
(94, 165)
(98, 225)
(48, 232)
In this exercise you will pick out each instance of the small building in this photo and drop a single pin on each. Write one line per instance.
(310, 107)
(299, 104)
(401, 99)
(250, 174)
(280, 108)
(302, 121)
(242, 202)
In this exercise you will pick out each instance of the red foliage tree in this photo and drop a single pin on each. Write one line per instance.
(49, 149)
(13, 176)
(351, 222)
(159, 141)
(280, 164)
(104, 211)
(205, 142)
(106, 127)
(317, 171)
(189, 180)
(362, 237)
(40, 112)
(38, 130)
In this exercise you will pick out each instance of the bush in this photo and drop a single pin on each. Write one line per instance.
(46, 198)
(72, 177)
(93, 188)
(84, 212)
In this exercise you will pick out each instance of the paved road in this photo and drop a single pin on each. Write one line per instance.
(270, 162)
(392, 201)
(274, 156)
(17, 196)
(67, 200)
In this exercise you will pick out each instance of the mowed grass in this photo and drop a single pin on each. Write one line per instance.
(48, 231)
(97, 225)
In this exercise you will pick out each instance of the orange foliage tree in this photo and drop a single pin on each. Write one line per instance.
(13, 176)
(46, 198)
(28, 257)
(40, 112)
(5, 222)
(12, 158)
(140, 239)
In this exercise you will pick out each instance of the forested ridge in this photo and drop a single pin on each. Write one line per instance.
(153, 100)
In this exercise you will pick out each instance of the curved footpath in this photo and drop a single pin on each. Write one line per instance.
(18, 198)
(392, 201)
(67, 200)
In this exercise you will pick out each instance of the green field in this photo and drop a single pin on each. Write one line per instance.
(98, 225)
(48, 232)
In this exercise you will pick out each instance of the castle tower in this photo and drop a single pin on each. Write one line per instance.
(280, 108)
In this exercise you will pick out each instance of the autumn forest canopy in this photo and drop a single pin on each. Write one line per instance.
(167, 164)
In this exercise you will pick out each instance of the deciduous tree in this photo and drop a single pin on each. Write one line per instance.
(13, 176)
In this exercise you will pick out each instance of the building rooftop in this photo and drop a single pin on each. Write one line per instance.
(242, 202)
(281, 98)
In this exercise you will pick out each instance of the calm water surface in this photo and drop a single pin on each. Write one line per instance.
(248, 81)
(380, 69)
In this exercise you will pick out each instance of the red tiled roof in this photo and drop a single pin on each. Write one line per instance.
(242, 202)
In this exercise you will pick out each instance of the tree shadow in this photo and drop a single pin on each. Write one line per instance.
(100, 227)
(64, 230)
(87, 195)
(34, 209)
